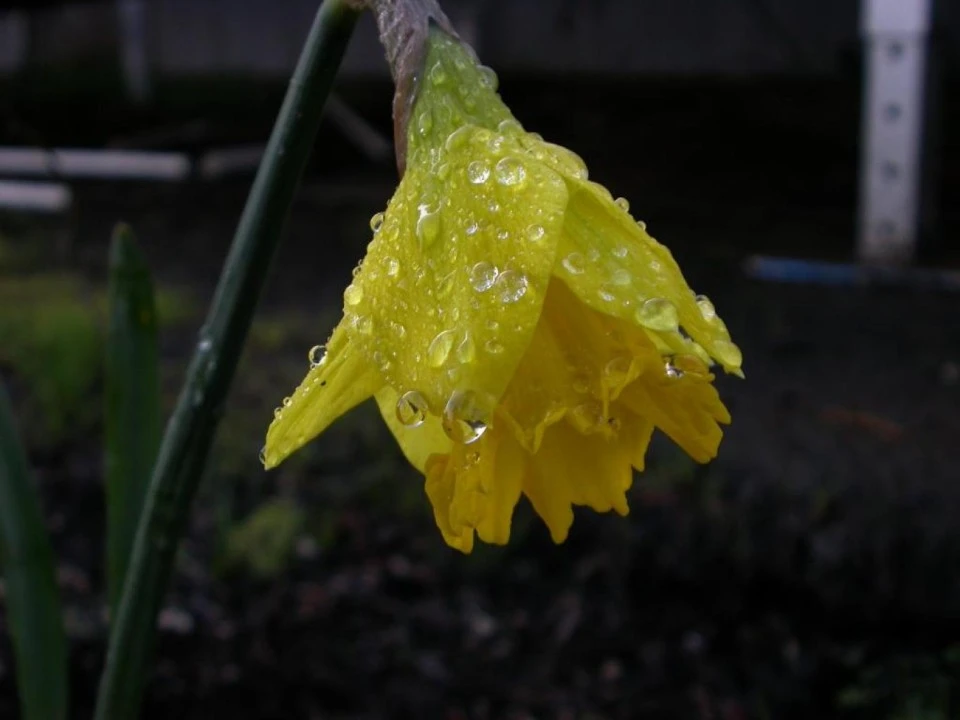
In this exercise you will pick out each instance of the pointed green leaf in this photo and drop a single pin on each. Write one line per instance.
(132, 400)
(32, 597)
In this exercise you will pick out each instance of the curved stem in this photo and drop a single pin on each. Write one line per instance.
(190, 431)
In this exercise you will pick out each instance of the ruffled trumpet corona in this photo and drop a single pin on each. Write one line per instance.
(521, 333)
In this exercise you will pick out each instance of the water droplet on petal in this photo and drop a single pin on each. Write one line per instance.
(428, 225)
(438, 75)
(488, 77)
(574, 263)
(466, 350)
(511, 286)
(707, 310)
(621, 251)
(459, 137)
(478, 172)
(440, 347)
(353, 295)
(672, 371)
(535, 233)
(493, 347)
(316, 355)
(464, 419)
(376, 222)
(587, 417)
(617, 370)
(392, 265)
(483, 275)
(658, 314)
(510, 172)
(411, 409)
(623, 204)
(425, 122)
(604, 294)
(287, 402)
(621, 277)
(364, 324)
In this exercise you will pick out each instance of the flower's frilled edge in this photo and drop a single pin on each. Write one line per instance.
(339, 379)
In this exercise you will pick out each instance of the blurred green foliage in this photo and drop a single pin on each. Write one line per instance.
(51, 342)
(264, 543)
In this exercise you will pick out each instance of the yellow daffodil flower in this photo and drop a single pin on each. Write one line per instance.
(521, 333)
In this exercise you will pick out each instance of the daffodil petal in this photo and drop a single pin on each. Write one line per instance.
(342, 381)
(451, 289)
(615, 267)
(419, 441)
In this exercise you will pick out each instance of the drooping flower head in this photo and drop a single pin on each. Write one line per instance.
(522, 334)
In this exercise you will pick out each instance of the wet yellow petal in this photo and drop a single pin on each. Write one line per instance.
(340, 382)
(418, 439)
(454, 280)
(615, 267)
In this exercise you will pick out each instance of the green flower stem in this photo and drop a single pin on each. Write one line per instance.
(190, 431)
(32, 597)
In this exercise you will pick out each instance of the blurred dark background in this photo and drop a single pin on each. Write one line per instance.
(811, 571)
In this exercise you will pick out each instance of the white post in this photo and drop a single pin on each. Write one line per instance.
(896, 34)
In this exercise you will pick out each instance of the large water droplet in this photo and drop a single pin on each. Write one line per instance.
(511, 286)
(672, 371)
(574, 263)
(510, 172)
(464, 419)
(353, 295)
(478, 172)
(623, 204)
(411, 409)
(376, 222)
(658, 314)
(440, 347)
(428, 225)
(483, 275)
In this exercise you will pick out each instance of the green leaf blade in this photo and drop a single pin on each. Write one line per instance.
(132, 416)
(29, 572)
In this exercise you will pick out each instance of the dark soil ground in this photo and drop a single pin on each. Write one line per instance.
(810, 572)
